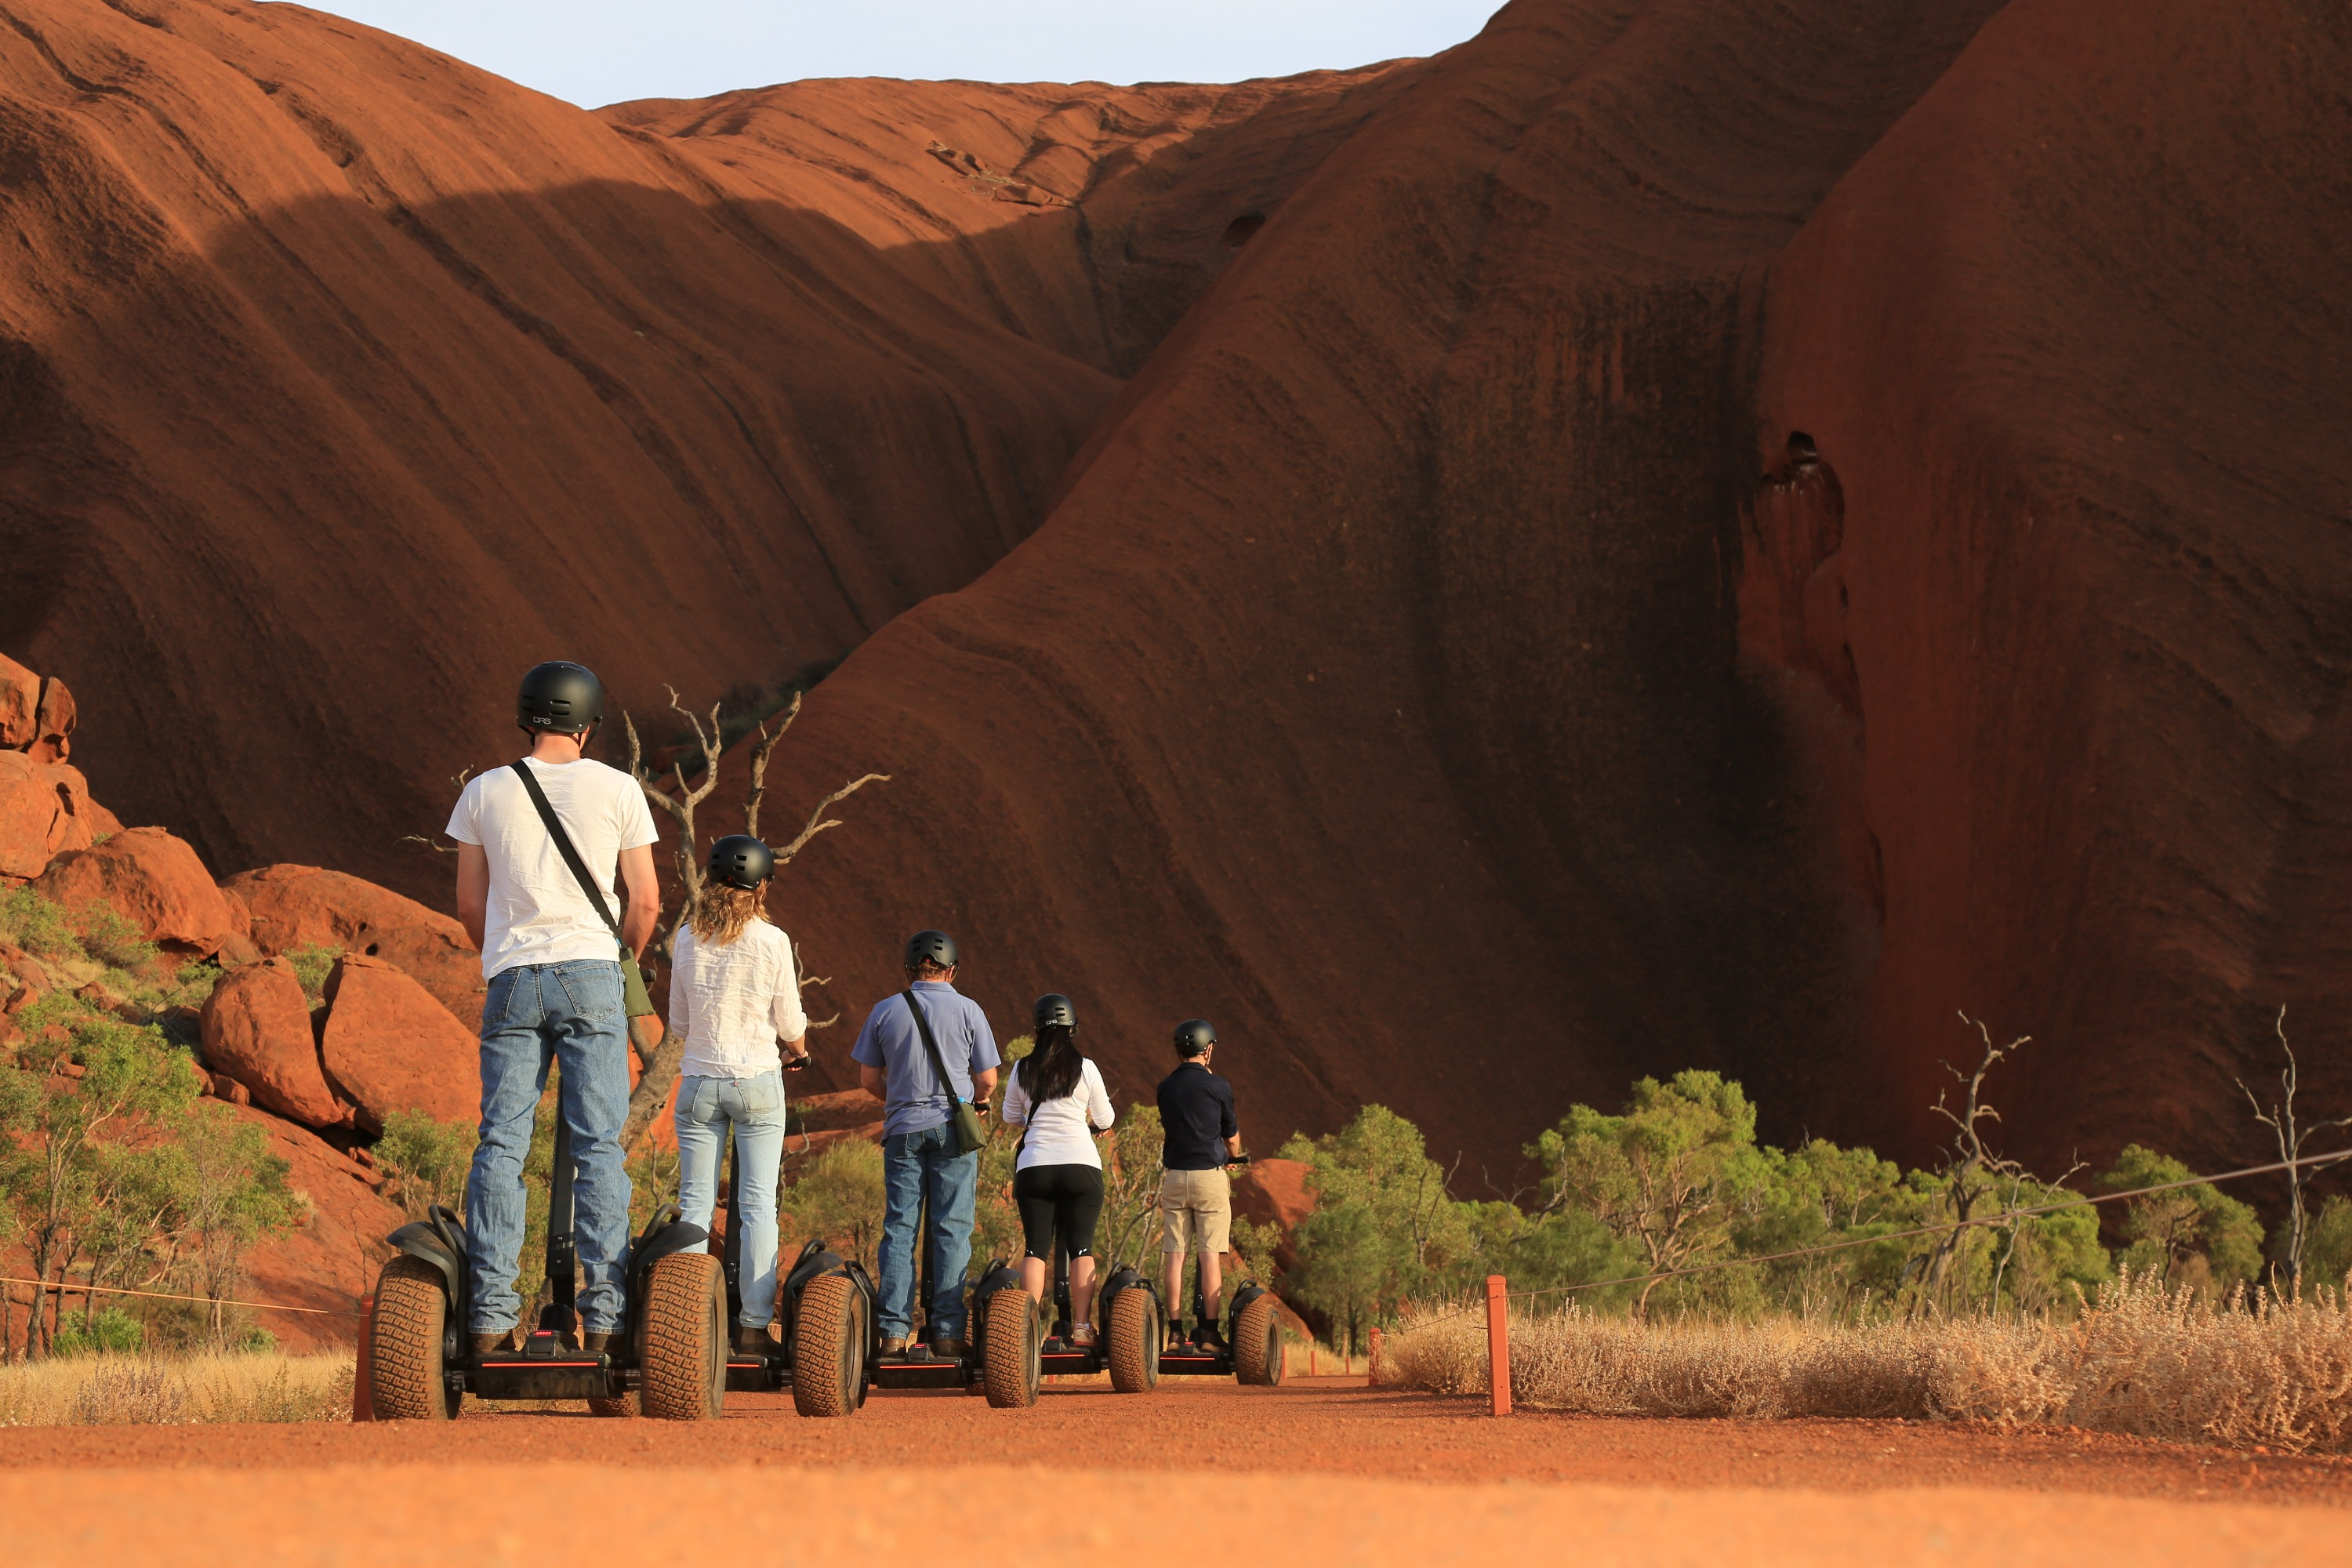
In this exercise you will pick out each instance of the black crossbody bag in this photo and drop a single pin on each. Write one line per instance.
(639, 1002)
(969, 1133)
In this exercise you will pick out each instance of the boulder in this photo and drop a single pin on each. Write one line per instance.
(256, 1029)
(152, 878)
(53, 723)
(390, 1046)
(20, 700)
(45, 810)
(303, 906)
(1272, 1193)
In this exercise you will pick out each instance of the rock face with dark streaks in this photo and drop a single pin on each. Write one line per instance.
(1679, 533)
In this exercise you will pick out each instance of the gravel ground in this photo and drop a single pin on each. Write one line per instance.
(1315, 1472)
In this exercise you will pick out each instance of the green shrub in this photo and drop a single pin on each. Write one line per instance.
(427, 1161)
(312, 963)
(112, 1332)
(32, 923)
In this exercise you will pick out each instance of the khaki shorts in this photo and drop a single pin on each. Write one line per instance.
(1196, 1209)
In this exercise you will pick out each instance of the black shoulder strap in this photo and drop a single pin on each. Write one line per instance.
(923, 1027)
(564, 847)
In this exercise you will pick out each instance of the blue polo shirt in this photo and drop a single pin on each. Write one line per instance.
(913, 1098)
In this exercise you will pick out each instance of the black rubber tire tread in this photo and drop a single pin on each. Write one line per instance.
(1009, 1367)
(405, 1377)
(684, 1366)
(1136, 1332)
(828, 1348)
(1257, 1345)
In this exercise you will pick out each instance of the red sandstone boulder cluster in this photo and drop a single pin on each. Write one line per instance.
(389, 1029)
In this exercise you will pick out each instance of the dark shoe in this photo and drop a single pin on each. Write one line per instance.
(497, 1343)
(596, 1343)
(751, 1340)
(1206, 1336)
(893, 1345)
(948, 1350)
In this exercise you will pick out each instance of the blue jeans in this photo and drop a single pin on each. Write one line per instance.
(915, 1167)
(570, 1013)
(755, 1106)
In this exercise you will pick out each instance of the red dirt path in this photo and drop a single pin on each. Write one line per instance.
(1312, 1470)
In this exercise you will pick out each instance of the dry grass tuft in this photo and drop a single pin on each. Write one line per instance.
(2141, 1360)
(128, 1391)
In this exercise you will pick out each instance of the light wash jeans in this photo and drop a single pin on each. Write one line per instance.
(754, 1106)
(568, 1014)
(917, 1165)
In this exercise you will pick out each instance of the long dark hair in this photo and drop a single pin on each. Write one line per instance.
(1053, 1069)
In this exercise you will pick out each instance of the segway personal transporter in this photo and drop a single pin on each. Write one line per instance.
(1128, 1344)
(671, 1352)
(1252, 1350)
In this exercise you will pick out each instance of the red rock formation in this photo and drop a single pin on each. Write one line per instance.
(329, 1261)
(20, 700)
(288, 907)
(2070, 340)
(152, 880)
(360, 349)
(1414, 675)
(388, 1046)
(256, 1031)
(45, 810)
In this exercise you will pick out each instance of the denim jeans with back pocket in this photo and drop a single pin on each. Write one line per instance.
(753, 1107)
(570, 1014)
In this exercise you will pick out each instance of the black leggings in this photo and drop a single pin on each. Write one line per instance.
(1068, 1199)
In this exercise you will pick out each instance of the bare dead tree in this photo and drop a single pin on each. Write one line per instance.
(2281, 1120)
(659, 1055)
(1973, 1171)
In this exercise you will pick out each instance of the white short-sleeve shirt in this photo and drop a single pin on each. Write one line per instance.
(537, 912)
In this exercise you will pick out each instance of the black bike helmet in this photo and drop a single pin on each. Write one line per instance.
(560, 699)
(936, 945)
(1054, 1011)
(1194, 1036)
(740, 860)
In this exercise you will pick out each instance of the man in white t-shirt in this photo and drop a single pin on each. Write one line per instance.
(553, 960)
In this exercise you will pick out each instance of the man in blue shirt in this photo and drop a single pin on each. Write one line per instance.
(920, 1159)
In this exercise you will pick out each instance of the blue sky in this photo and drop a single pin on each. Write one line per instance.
(600, 51)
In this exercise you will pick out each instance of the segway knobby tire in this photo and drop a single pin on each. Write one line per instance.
(405, 1375)
(1136, 1332)
(1010, 1366)
(1258, 1343)
(684, 1366)
(829, 1348)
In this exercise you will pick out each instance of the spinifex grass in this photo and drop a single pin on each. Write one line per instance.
(159, 1391)
(2139, 1359)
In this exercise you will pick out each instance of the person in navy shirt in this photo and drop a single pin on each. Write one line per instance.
(919, 1160)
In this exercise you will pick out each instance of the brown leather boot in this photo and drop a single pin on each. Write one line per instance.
(594, 1343)
(751, 1339)
(497, 1343)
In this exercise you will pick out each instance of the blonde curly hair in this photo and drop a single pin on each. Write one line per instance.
(722, 912)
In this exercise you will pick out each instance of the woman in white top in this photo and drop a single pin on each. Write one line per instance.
(733, 993)
(1058, 1096)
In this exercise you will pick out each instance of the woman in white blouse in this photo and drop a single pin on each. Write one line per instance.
(733, 995)
(1058, 1182)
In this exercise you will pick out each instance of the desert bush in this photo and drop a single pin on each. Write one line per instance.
(837, 1196)
(2140, 1358)
(312, 963)
(426, 1161)
(121, 1391)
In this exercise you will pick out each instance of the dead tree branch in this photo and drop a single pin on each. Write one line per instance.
(2280, 1119)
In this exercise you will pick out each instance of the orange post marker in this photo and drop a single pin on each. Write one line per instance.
(362, 1398)
(1498, 1345)
(1372, 1361)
